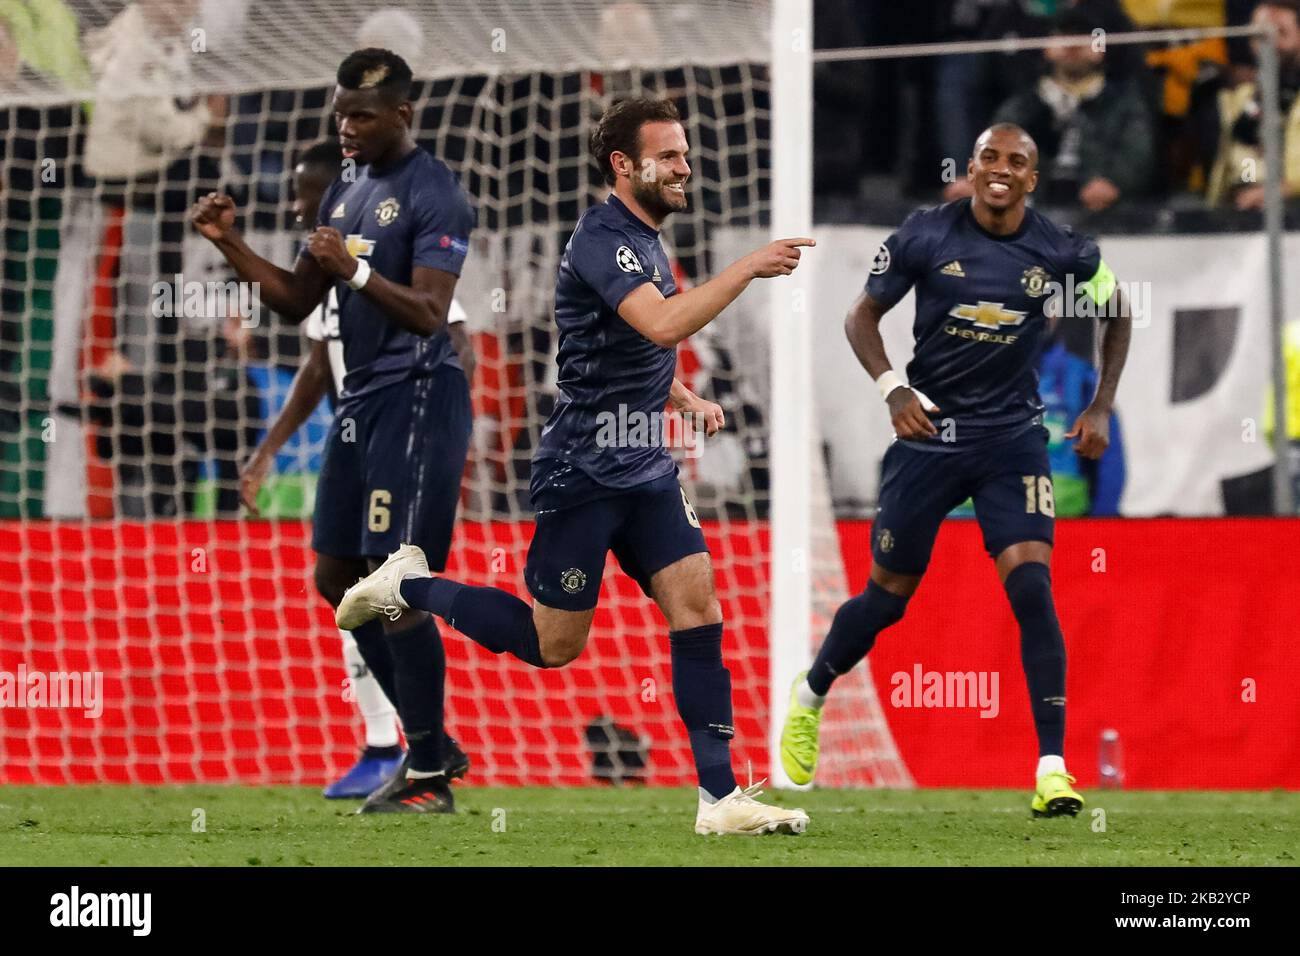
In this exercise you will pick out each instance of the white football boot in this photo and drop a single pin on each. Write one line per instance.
(739, 814)
(379, 592)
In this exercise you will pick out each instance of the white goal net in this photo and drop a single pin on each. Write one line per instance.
(126, 559)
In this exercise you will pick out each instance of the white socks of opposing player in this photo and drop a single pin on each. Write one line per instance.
(1050, 763)
(379, 716)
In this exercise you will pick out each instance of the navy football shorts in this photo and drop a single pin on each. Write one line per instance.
(648, 527)
(1009, 481)
(392, 469)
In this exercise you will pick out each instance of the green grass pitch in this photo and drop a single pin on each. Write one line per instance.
(294, 826)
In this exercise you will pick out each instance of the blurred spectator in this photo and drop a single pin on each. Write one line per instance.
(140, 61)
(970, 85)
(1241, 59)
(1184, 64)
(1094, 134)
(152, 145)
(1190, 73)
(39, 48)
(43, 38)
(1122, 60)
(1238, 174)
(841, 112)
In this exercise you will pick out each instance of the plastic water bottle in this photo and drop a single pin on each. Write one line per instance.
(1110, 760)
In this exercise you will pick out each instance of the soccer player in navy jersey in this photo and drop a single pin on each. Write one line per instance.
(391, 236)
(968, 423)
(595, 490)
(322, 373)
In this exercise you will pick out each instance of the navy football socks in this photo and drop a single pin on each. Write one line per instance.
(419, 669)
(702, 688)
(490, 617)
(430, 594)
(1042, 651)
(853, 633)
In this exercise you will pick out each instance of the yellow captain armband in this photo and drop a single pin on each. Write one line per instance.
(1101, 286)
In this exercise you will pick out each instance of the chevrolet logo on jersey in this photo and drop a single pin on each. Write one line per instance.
(358, 245)
(989, 315)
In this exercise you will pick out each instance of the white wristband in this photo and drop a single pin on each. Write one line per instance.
(360, 276)
(889, 381)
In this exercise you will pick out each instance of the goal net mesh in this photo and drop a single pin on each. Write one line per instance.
(127, 561)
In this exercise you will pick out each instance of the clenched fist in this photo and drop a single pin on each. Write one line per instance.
(214, 216)
(327, 247)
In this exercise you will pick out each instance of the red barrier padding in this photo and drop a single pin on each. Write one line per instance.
(1164, 645)
(220, 664)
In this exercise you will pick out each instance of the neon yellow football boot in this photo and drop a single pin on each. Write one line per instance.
(1055, 797)
(799, 738)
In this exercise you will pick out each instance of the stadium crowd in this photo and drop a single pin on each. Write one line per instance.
(1128, 134)
(1118, 125)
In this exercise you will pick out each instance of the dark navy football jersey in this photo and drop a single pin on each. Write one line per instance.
(612, 379)
(980, 323)
(413, 214)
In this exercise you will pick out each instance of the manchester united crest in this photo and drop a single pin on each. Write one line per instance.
(386, 212)
(1034, 281)
(573, 580)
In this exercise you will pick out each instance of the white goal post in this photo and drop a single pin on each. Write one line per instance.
(792, 303)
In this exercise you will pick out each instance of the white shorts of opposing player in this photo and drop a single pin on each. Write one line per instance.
(740, 814)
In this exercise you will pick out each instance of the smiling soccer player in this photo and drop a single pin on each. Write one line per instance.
(970, 425)
(620, 318)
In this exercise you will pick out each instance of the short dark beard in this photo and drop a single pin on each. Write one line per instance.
(651, 198)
